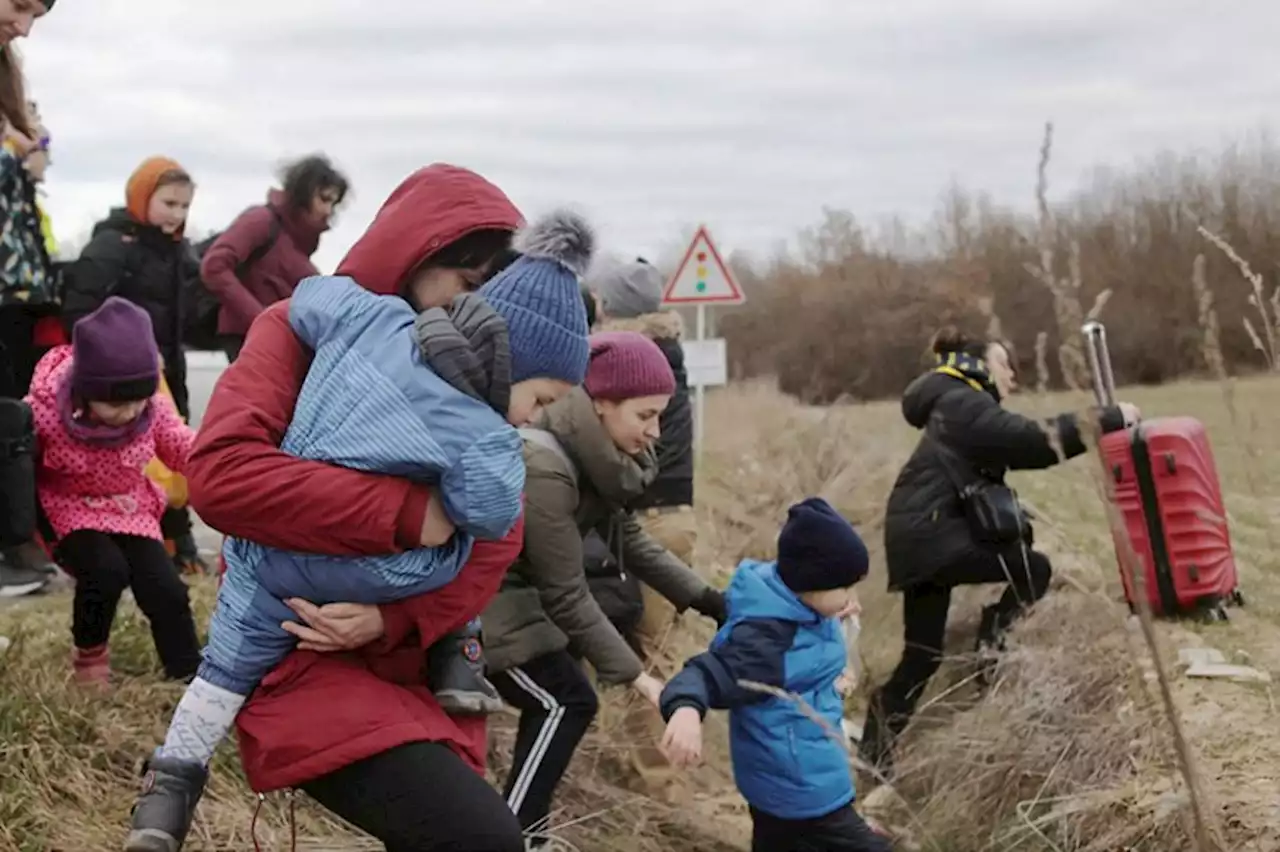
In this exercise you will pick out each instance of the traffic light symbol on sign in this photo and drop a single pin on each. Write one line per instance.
(702, 277)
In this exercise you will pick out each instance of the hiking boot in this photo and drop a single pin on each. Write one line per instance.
(455, 674)
(163, 813)
(17, 579)
(186, 555)
(91, 667)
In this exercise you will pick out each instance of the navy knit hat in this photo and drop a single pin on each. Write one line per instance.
(115, 357)
(540, 298)
(819, 550)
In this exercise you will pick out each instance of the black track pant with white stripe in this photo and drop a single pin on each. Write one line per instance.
(556, 704)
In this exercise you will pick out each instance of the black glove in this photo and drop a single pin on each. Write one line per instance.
(711, 604)
(1111, 419)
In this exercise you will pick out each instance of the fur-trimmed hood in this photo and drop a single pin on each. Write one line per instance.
(663, 325)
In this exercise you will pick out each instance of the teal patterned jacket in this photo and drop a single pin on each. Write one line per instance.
(27, 273)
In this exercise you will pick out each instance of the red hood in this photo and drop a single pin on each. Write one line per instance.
(431, 208)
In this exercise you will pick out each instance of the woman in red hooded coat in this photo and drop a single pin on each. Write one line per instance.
(347, 717)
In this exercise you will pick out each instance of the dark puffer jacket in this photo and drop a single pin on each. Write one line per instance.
(926, 531)
(135, 262)
(674, 483)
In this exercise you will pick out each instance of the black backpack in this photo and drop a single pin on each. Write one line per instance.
(200, 317)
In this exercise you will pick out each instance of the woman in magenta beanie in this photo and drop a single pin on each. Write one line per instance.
(588, 457)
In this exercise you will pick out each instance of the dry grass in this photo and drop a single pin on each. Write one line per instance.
(1069, 751)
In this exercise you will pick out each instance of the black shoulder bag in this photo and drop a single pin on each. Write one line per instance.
(995, 516)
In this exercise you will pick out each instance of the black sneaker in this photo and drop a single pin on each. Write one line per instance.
(33, 556)
(163, 813)
(18, 579)
(455, 674)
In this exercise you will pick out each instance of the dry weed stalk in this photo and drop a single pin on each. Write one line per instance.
(1042, 362)
(1211, 345)
(1205, 834)
(1067, 291)
(1211, 348)
(1268, 341)
(987, 307)
(837, 737)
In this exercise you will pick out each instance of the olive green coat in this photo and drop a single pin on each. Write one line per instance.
(544, 602)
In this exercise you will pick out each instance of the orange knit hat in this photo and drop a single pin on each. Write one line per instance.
(143, 183)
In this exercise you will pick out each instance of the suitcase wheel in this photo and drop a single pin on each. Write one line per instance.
(1216, 613)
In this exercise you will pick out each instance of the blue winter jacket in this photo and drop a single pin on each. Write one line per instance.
(785, 763)
(371, 403)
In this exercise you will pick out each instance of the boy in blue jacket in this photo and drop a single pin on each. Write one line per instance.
(783, 631)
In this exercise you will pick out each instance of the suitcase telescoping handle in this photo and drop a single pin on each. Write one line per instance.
(1104, 381)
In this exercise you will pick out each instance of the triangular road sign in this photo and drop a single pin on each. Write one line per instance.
(702, 277)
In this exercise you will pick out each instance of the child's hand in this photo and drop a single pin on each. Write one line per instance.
(682, 742)
(854, 607)
(846, 683)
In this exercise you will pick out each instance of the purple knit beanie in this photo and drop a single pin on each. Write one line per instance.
(627, 365)
(115, 354)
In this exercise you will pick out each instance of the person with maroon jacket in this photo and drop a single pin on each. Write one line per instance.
(348, 717)
(267, 250)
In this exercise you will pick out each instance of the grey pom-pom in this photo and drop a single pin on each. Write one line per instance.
(562, 236)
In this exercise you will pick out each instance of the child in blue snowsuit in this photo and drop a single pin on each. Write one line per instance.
(784, 632)
(435, 397)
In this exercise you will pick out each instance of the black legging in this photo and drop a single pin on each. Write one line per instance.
(420, 797)
(104, 565)
(176, 523)
(18, 352)
(924, 616)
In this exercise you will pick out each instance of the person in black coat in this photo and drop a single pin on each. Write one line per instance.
(139, 253)
(931, 543)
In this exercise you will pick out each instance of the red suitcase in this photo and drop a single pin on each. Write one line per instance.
(1165, 484)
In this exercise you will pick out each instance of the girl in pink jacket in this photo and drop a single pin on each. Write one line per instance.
(99, 420)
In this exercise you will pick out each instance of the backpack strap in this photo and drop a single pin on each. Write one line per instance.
(543, 438)
(260, 250)
(132, 262)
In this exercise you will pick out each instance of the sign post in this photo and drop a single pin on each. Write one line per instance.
(703, 279)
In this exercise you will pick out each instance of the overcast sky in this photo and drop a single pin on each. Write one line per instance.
(749, 115)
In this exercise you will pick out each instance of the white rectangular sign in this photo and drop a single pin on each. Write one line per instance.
(706, 362)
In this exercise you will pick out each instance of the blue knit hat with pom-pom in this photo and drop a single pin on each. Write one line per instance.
(540, 299)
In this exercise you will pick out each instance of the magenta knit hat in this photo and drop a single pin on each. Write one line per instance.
(626, 365)
(115, 354)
